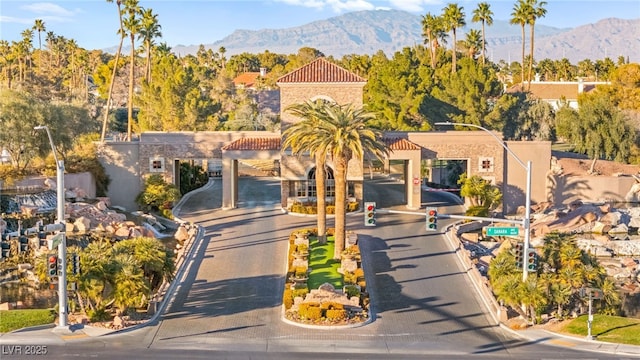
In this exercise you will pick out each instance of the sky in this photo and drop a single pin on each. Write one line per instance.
(93, 24)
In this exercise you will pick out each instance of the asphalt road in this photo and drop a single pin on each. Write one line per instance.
(423, 304)
(228, 303)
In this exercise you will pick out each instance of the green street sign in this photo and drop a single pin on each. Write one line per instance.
(502, 231)
(55, 241)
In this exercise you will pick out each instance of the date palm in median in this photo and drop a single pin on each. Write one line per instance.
(341, 132)
(300, 137)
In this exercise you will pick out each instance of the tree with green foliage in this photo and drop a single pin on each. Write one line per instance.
(398, 91)
(343, 133)
(453, 19)
(467, 92)
(301, 138)
(157, 194)
(483, 14)
(434, 33)
(482, 196)
(536, 11)
(520, 16)
(132, 26)
(192, 176)
(112, 80)
(598, 129)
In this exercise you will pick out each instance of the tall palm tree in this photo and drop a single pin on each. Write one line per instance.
(484, 15)
(343, 132)
(132, 26)
(149, 31)
(520, 16)
(115, 70)
(453, 18)
(299, 137)
(434, 33)
(536, 11)
(39, 27)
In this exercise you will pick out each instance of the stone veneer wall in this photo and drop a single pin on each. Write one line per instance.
(295, 167)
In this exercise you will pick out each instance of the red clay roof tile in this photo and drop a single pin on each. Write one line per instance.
(263, 143)
(320, 71)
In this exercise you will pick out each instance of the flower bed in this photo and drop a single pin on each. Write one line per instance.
(330, 292)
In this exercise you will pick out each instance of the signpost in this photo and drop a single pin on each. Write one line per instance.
(502, 231)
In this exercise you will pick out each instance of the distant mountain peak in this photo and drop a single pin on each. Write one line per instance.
(369, 31)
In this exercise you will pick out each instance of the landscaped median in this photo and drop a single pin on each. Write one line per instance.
(320, 290)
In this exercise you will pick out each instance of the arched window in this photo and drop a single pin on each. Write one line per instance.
(329, 183)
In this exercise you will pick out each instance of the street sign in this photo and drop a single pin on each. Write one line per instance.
(55, 241)
(502, 231)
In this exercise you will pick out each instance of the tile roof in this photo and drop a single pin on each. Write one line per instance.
(262, 143)
(554, 90)
(246, 79)
(400, 144)
(321, 71)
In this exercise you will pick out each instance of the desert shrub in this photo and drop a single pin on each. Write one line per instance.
(97, 315)
(331, 231)
(359, 273)
(335, 314)
(300, 292)
(330, 305)
(302, 248)
(331, 209)
(349, 278)
(287, 298)
(300, 271)
(481, 211)
(311, 311)
(351, 290)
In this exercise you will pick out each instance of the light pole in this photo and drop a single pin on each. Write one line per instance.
(526, 222)
(62, 247)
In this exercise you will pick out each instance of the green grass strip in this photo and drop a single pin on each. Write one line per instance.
(17, 319)
(324, 269)
(607, 328)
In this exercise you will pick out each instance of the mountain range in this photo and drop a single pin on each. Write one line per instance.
(367, 32)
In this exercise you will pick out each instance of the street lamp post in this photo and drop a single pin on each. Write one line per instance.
(526, 221)
(62, 247)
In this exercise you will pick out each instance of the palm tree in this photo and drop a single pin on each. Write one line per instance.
(343, 133)
(115, 70)
(132, 26)
(299, 137)
(536, 11)
(473, 42)
(453, 18)
(150, 29)
(39, 27)
(484, 15)
(520, 16)
(434, 33)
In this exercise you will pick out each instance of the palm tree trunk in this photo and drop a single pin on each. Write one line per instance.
(341, 211)
(113, 77)
(131, 84)
(483, 43)
(530, 58)
(321, 193)
(522, 67)
(592, 169)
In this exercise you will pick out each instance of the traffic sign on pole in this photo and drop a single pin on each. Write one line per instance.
(502, 231)
(54, 241)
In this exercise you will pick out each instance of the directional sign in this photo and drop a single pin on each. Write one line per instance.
(55, 241)
(501, 231)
